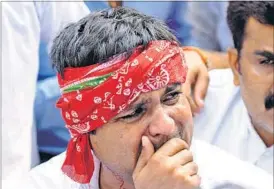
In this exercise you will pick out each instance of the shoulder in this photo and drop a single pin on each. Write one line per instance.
(220, 77)
(48, 175)
(217, 167)
(221, 89)
(221, 85)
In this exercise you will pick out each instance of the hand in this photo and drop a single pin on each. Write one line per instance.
(171, 167)
(197, 80)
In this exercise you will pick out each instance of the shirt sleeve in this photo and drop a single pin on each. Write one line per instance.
(20, 35)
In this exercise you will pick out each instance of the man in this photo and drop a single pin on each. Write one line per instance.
(24, 24)
(123, 103)
(52, 136)
(239, 117)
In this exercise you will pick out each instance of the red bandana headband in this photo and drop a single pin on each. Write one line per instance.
(92, 95)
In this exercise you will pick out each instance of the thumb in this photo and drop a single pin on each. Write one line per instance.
(146, 153)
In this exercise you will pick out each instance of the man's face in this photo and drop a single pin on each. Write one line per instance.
(160, 115)
(255, 73)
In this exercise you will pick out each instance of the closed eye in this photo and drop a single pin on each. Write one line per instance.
(267, 61)
(135, 114)
(171, 98)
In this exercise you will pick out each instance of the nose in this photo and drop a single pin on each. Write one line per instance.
(162, 126)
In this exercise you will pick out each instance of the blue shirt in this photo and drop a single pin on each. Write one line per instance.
(209, 28)
(52, 136)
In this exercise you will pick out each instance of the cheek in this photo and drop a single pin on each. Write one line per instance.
(257, 75)
(181, 112)
(114, 143)
(182, 115)
(255, 84)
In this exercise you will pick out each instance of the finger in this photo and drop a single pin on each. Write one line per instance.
(189, 169)
(200, 88)
(183, 157)
(195, 180)
(172, 147)
(146, 153)
(193, 106)
(187, 89)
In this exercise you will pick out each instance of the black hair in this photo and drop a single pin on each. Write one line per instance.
(103, 34)
(239, 12)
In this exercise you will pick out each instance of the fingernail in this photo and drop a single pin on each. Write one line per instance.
(143, 141)
(202, 103)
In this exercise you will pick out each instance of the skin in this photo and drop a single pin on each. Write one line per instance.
(254, 73)
(197, 81)
(162, 119)
(115, 4)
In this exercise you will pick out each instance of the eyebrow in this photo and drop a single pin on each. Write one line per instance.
(143, 102)
(267, 54)
(172, 87)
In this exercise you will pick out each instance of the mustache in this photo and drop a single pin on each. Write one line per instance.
(269, 102)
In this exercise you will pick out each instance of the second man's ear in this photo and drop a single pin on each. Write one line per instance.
(234, 65)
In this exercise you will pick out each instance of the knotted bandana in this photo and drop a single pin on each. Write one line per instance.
(92, 95)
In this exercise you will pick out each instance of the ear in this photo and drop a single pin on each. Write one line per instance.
(234, 64)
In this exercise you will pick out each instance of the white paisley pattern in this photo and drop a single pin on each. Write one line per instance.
(159, 81)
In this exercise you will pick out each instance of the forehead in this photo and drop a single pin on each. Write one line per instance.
(258, 35)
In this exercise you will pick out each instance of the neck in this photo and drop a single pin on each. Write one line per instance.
(115, 4)
(110, 180)
(265, 135)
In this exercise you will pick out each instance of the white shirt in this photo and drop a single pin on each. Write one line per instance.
(23, 25)
(216, 168)
(225, 122)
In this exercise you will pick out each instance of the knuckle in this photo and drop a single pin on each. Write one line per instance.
(189, 155)
(168, 165)
(157, 160)
(179, 174)
(177, 142)
(196, 181)
(195, 167)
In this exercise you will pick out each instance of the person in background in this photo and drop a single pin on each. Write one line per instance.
(52, 135)
(239, 116)
(24, 24)
(209, 29)
(124, 104)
